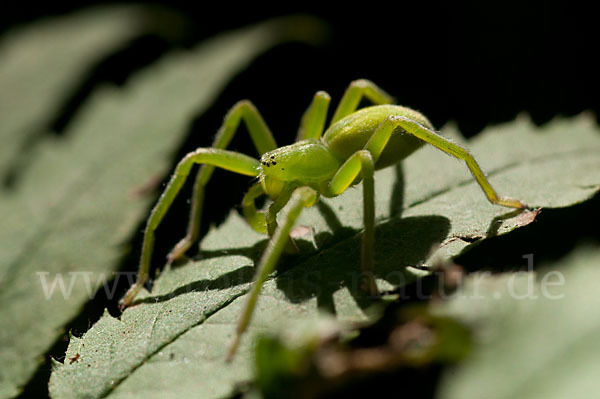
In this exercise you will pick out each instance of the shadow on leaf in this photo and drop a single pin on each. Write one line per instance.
(399, 243)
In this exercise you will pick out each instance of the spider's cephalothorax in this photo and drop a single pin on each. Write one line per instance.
(307, 162)
(321, 162)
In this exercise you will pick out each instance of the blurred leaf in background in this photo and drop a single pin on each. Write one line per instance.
(536, 334)
(43, 63)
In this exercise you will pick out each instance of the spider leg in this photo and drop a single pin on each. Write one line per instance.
(275, 207)
(271, 218)
(313, 120)
(229, 160)
(254, 217)
(266, 222)
(456, 150)
(354, 93)
(261, 137)
(361, 162)
(301, 197)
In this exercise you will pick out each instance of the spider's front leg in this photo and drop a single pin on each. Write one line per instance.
(300, 198)
(263, 141)
(228, 160)
(266, 222)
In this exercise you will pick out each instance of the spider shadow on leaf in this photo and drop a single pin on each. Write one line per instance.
(230, 279)
(399, 243)
(239, 276)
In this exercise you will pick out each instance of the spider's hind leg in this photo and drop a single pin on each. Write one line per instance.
(456, 150)
(355, 92)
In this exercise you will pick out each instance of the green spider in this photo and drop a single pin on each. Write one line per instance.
(355, 145)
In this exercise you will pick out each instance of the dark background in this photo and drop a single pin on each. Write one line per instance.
(476, 63)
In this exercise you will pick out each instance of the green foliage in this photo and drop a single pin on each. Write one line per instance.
(541, 343)
(44, 62)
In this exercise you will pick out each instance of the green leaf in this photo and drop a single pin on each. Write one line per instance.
(76, 203)
(173, 343)
(545, 347)
(43, 62)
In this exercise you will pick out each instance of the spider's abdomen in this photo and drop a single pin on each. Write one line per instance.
(351, 133)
